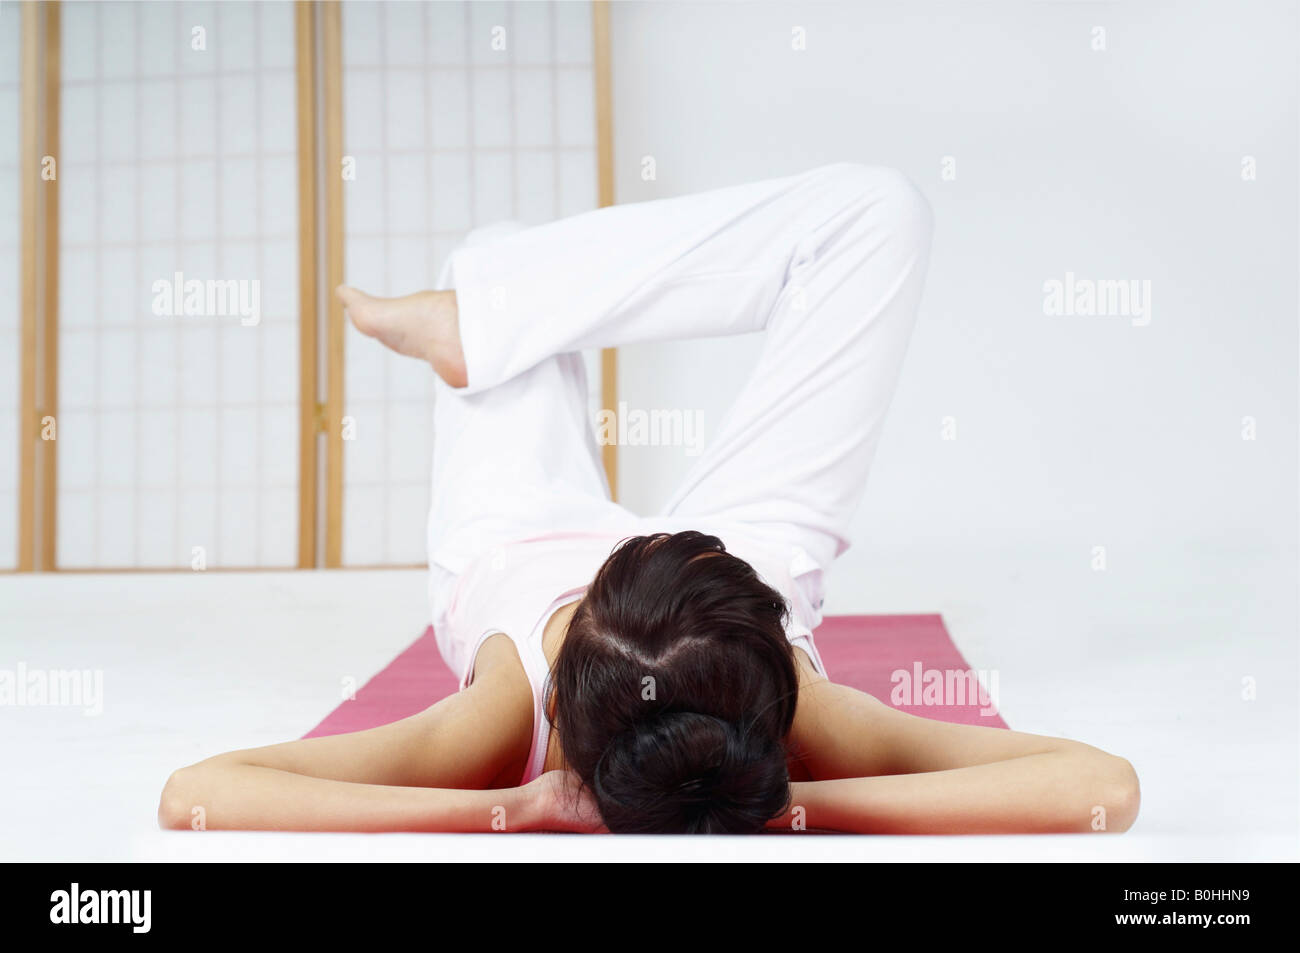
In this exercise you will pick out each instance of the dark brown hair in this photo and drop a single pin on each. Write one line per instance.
(675, 689)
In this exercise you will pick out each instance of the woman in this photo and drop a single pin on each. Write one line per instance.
(658, 674)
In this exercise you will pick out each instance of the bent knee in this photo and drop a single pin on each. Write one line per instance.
(887, 194)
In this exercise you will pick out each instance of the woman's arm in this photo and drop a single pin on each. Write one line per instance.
(880, 770)
(426, 772)
(250, 797)
(1061, 792)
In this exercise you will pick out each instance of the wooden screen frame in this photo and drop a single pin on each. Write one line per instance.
(41, 78)
(305, 70)
(40, 43)
(605, 184)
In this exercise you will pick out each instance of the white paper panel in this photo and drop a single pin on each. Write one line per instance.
(178, 431)
(448, 132)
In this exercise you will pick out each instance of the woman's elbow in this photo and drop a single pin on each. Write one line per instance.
(174, 806)
(1123, 798)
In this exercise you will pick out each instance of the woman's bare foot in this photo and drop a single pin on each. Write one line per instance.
(424, 325)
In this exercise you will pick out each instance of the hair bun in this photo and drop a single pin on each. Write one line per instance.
(686, 772)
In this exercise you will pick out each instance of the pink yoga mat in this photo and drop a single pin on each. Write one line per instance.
(867, 652)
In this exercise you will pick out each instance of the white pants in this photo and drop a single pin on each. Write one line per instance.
(829, 264)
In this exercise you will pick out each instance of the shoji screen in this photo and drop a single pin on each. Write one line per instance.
(9, 292)
(178, 410)
(456, 115)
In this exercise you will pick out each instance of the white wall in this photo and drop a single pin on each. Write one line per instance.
(1115, 164)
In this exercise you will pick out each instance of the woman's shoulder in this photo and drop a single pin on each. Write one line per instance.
(498, 664)
(503, 706)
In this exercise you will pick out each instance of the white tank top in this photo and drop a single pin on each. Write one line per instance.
(514, 589)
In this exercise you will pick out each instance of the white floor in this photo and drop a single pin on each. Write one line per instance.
(1147, 663)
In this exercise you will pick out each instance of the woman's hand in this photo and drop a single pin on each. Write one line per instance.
(559, 802)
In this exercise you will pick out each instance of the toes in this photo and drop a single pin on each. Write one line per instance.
(351, 297)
